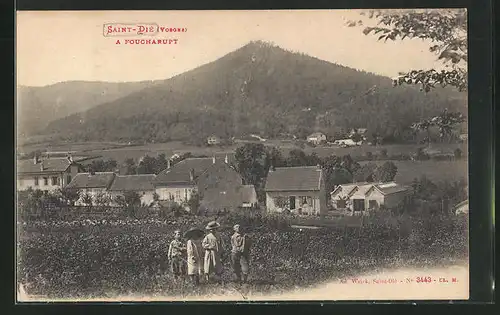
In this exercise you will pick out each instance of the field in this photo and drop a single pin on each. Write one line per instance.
(122, 151)
(436, 171)
(105, 258)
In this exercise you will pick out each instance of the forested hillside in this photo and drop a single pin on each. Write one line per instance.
(259, 88)
(38, 106)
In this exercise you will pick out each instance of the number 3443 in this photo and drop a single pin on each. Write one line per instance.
(424, 279)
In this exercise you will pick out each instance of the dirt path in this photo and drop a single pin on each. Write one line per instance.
(412, 284)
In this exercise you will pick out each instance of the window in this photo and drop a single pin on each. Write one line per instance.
(372, 204)
(45, 181)
(306, 200)
(341, 203)
(185, 194)
(54, 181)
(178, 194)
(36, 181)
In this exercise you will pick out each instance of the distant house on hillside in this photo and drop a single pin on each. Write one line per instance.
(46, 174)
(462, 207)
(218, 184)
(141, 184)
(213, 140)
(360, 197)
(316, 138)
(359, 131)
(92, 184)
(298, 189)
(346, 143)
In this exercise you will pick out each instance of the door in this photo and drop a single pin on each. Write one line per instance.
(292, 202)
(358, 205)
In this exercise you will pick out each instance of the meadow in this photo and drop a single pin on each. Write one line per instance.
(110, 257)
(121, 151)
(436, 171)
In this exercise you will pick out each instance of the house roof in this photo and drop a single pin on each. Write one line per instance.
(348, 188)
(88, 180)
(179, 173)
(461, 204)
(49, 165)
(365, 188)
(141, 182)
(316, 134)
(390, 188)
(302, 178)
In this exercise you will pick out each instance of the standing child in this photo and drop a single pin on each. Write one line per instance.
(175, 253)
(240, 254)
(212, 245)
(194, 254)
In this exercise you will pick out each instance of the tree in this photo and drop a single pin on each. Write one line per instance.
(275, 158)
(194, 202)
(357, 137)
(87, 200)
(444, 122)
(109, 165)
(102, 200)
(446, 29)
(386, 172)
(281, 202)
(365, 173)
(130, 167)
(70, 196)
(252, 161)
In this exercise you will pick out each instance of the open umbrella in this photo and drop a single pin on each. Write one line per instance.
(194, 233)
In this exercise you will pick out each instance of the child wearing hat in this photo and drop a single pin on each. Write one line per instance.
(212, 245)
(175, 253)
(240, 254)
(194, 255)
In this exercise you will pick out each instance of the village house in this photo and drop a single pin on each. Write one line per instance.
(217, 183)
(47, 174)
(316, 138)
(141, 184)
(297, 189)
(92, 184)
(346, 142)
(213, 140)
(359, 131)
(462, 207)
(360, 197)
(221, 189)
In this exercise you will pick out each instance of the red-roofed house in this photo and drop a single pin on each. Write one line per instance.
(298, 189)
(46, 174)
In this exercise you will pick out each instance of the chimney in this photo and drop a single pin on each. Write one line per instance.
(191, 175)
(213, 159)
(35, 159)
(41, 166)
(226, 160)
(168, 164)
(70, 158)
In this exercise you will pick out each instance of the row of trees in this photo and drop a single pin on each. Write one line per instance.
(46, 204)
(145, 165)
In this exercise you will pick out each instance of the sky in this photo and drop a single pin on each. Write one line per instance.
(65, 45)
